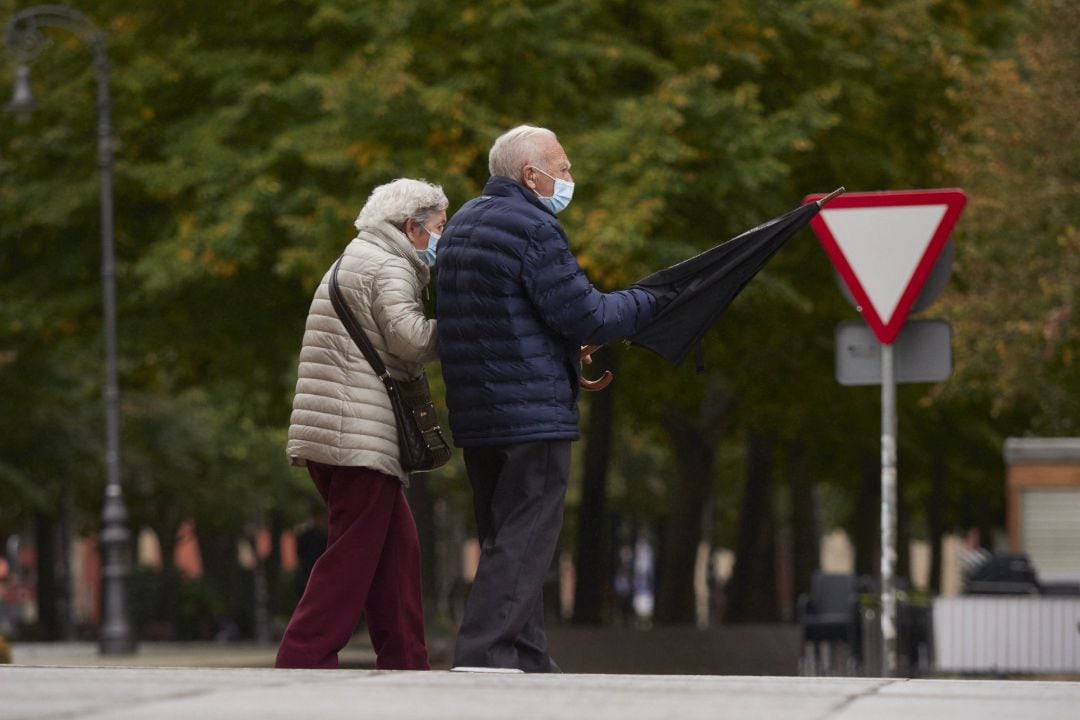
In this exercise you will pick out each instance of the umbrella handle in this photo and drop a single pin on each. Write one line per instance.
(599, 383)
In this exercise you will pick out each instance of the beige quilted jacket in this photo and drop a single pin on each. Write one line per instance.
(341, 414)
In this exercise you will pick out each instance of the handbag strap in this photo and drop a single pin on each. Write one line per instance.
(352, 326)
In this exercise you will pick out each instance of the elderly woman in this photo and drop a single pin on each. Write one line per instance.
(342, 429)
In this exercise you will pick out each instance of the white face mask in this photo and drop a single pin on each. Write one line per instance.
(560, 197)
(428, 253)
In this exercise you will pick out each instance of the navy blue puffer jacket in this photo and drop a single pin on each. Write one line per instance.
(514, 308)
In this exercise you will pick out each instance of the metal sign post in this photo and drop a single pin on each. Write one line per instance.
(888, 512)
(885, 247)
(921, 353)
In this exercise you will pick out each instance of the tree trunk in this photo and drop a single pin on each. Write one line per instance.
(694, 442)
(273, 561)
(752, 589)
(260, 593)
(165, 610)
(422, 505)
(222, 573)
(805, 523)
(935, 518)
(65, 618)
(592, 571)
(866, 525)
(675, 596)
(47, 590)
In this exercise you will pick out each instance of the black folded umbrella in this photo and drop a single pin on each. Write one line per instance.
(694, 293)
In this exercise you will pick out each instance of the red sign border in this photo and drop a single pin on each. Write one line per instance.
(954, 200)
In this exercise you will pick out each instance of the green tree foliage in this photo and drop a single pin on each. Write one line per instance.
(248, 135)
(1018, 264)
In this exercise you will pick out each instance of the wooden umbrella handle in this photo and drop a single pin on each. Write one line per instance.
(599, 383)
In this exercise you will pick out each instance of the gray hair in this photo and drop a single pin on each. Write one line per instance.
(401, 200)
(517, 148)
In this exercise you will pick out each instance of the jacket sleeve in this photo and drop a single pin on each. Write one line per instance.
(568, 302)
(408, 333)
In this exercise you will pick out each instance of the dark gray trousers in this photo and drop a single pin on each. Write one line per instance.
(518, 493)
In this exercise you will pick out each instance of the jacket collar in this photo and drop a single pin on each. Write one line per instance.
(387, 237)
(501, 186)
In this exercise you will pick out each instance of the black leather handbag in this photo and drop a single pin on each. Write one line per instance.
(420, 440)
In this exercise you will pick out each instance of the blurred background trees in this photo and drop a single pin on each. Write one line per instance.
(248, 135)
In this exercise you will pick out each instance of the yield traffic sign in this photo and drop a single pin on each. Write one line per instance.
(884, 245)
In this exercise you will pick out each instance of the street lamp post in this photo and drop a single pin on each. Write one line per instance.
(24, 38)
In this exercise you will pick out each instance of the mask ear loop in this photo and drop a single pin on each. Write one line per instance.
(535, 169)
(415, 225)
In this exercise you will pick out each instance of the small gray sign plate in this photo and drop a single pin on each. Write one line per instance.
(922, 353)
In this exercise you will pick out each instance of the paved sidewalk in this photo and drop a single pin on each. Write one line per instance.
(755, 650)
(357, 654)
(37, 693)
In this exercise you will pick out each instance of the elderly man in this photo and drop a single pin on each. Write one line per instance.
(514, 309)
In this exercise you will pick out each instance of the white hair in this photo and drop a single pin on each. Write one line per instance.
(401, 200)
(516, 148)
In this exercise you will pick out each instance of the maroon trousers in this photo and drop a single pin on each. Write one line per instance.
(371, 568)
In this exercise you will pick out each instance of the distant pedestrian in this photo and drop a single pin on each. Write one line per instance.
(623, 584)
(343, 431)
(644, 578)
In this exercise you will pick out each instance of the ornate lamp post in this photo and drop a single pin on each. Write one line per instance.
(24, 38)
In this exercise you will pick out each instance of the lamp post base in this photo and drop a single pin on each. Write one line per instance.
(119, 643)
(116, 636)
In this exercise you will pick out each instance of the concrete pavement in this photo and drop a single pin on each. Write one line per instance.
(120, 693)
(358, 654)
(730, 650)
(235, 680)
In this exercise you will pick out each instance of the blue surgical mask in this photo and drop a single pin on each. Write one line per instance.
(562, 195)
(428, 254)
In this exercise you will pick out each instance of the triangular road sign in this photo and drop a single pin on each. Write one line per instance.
(884, 244)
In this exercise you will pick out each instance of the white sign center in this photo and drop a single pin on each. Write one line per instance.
(883, 246)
